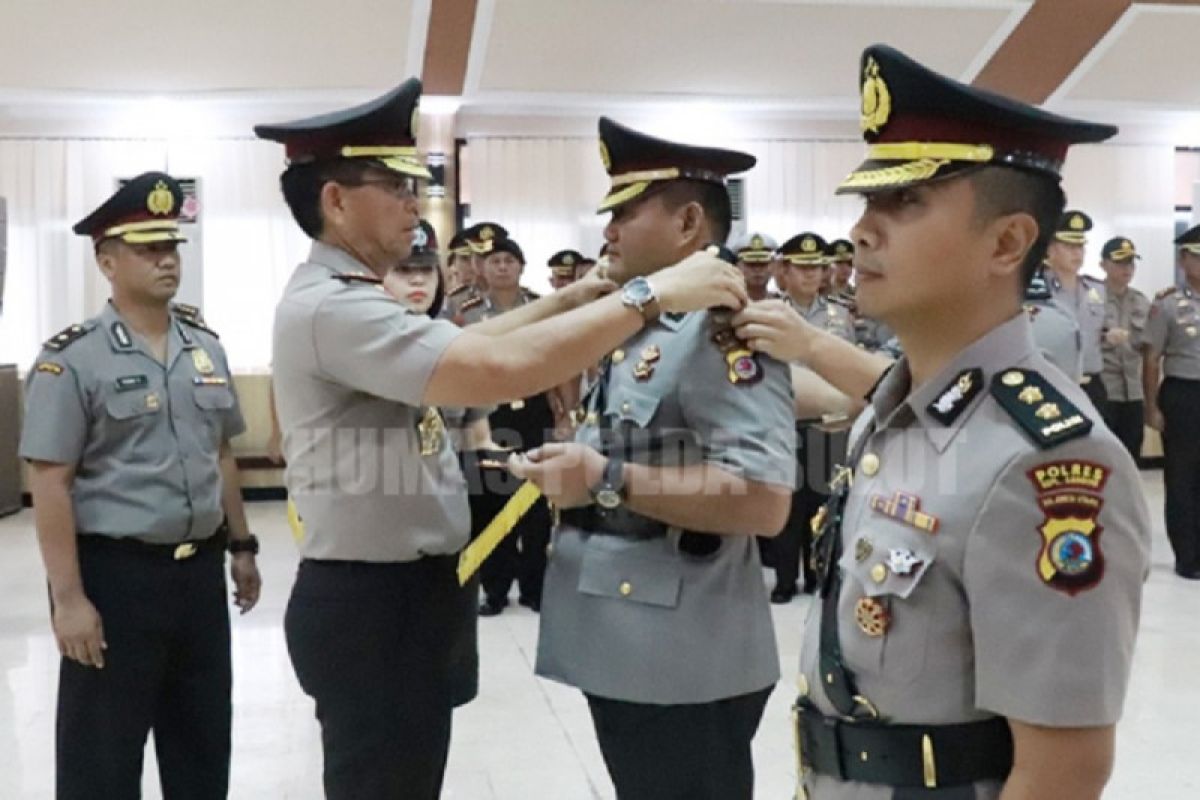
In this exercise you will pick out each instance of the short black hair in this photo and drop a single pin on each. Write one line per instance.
(1003, 190)
(302, 184)
(712, 197)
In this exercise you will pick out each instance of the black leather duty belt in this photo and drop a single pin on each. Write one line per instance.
(620, 522)
(903, 756)
(179, 551)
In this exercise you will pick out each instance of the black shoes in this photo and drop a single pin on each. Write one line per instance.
(1192, 574)
(492, 608)
(783, 594)
(533, 605)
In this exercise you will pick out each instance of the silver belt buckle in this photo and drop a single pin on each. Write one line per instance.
(185, 551)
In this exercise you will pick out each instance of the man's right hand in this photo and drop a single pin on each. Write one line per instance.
(79, 631)
(1154, 418)
(699, 282)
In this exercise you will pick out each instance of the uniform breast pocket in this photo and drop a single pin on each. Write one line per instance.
(631, 575)
(631, 406)
(886, 568)
(133, 408)
(212, 401)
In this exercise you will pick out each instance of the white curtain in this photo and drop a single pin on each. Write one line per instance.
(248, 243)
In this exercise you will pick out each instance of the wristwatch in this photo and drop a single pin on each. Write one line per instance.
(609, 494)
(247, 545)
(640, 295)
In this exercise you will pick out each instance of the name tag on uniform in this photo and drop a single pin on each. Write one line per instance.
(127, 383)
(201, 380)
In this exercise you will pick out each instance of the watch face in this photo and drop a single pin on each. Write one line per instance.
(608, 498)
(638, 291)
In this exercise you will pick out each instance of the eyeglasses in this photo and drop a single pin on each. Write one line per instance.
(399, 187)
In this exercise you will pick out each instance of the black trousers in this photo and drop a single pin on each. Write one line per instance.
(521, 557)
(167, 669)
(1127, 419)
(1096, 392)
(680, 752)
(1179, 401)
(789, 553)
(376, 646)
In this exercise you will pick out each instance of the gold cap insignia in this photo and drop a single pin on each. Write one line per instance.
(876, 99)
(843, 250)
(486, 234)
(569, 260)
(604, 157)
(1126, 245)
(756, 242)
(160, 200)
(808, 244)
(1077, 223)
(414, 123)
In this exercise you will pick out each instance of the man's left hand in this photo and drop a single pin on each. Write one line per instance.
(243, 568)
(564, 472)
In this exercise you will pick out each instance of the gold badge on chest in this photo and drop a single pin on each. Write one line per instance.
(202, 361)
(432, 430)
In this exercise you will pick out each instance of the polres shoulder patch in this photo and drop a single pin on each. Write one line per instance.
(1046, 416)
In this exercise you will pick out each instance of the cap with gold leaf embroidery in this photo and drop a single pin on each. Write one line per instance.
(1073, 227)
(458, 245)
(635, 160)
(804, 249)
(383, 129)
(1119, 249)
(754, 248)
(1189, 241)
(840, 251)
(921, 126)
(563, 262)
(481, 237)
(144, 210)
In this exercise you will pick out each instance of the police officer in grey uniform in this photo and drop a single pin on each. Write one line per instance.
(754, 252)
(806, 256)
(374, 621)
(654, 605)
(1055, 330)
(1172, 353)
(1126, 312)
(1079, 295)
(461, 273)
(128, 418)
(984, 554)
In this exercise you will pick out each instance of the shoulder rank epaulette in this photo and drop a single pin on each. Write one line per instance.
(1167, 292)
(530, 294)
(198, 324)
(466, 287)
(67, 336)
(356, 277)
(474, 302)
(1047, 417)
(187, 311)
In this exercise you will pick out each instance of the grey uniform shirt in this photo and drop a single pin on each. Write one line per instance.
(1057, 336)
(1173, 332)
(984, 618)
(653, 620)
(144, 436)
(372, 471)
(1086, 303)
(827, 316)
(1123, 362)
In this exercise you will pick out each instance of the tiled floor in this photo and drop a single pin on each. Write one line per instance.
(524, 738)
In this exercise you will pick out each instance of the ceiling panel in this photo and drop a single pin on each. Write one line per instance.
(1147, 60)
(806, 50)
(211, 45)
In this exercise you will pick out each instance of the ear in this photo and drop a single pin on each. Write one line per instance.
(106, 261)
(1014, 236)
(333, 204)
(693, 224)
